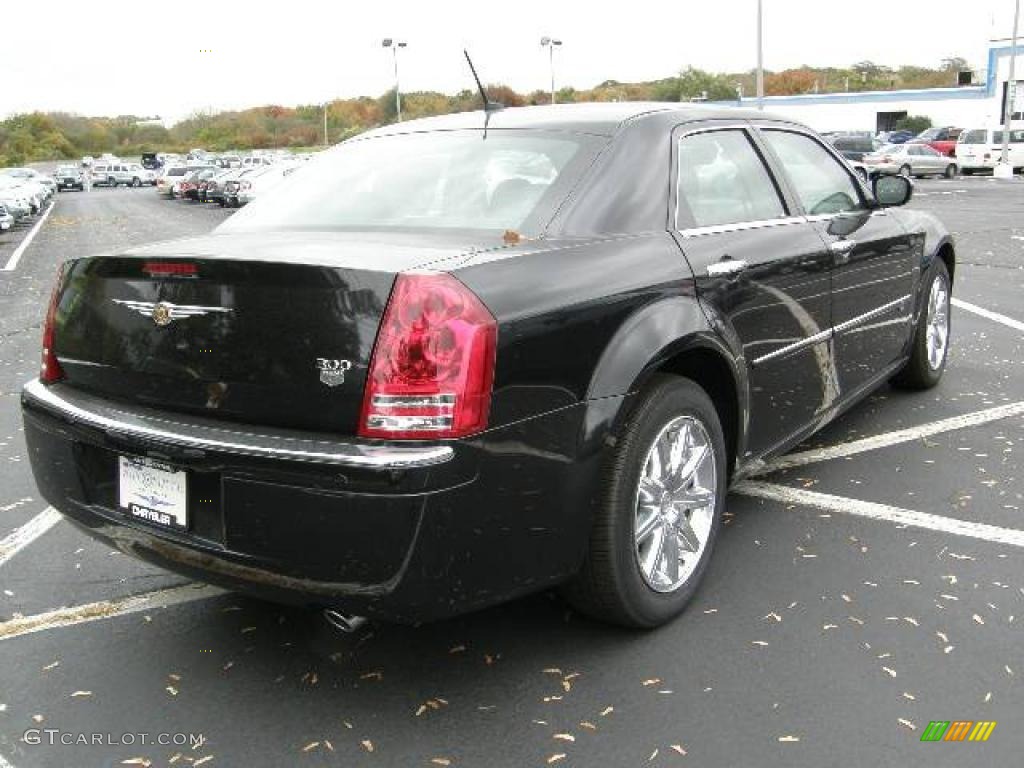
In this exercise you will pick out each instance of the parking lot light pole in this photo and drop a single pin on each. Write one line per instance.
(326, 142)
(760, 55)
(1004, 169)
(550, 43)
(394, 45)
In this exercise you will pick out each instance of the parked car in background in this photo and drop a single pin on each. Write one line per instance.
(151, 162)
(854, 147)
(171, 175)
(188, 188)
(942, 140)
(69, 177)
(262, 181)
(32, 175)
(894, 137)
(20, 199)
(255, 161)
(981, 149)
(429, 372)
(6, 218)
(910, 159)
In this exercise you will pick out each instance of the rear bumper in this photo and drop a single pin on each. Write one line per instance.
(406, 532)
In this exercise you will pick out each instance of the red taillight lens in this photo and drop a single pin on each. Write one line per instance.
(432, 368)
(169, 268)
(50, 370)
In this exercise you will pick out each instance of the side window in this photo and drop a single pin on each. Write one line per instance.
(821, 182)
(723, 180)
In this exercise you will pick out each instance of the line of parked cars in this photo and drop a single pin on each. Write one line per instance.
(24, 192)
(942, 151)
(230, 187)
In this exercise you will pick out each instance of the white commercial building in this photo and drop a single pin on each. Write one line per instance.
(967, 106)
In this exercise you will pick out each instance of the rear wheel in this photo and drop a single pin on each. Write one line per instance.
(660, 510)
(112, 182)
(136, 183)
(930, 347)
(950, 172)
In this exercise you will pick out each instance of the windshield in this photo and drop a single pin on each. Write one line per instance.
(443, 180)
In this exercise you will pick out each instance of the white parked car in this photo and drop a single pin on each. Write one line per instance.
(980, 149)
(262, 181)
(129, 174)
(171, 175)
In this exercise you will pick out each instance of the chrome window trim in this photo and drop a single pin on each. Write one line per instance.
(204, 434)
(739, 226)
(829, 333)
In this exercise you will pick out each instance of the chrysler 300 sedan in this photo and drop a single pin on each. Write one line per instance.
(465, 358)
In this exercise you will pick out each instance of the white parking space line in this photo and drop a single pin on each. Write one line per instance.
(21, 537)
(4, 763)
(839, 504)
(896, 437)
(12, 262)
(106, 609)
(974, 309)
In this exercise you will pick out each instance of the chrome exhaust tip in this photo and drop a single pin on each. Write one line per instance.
(344, 621)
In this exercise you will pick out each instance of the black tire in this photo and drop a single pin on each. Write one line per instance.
(610, 586)
(950, 172)
(907, 171)
(136, 183)
(112, 182)
(918, 373)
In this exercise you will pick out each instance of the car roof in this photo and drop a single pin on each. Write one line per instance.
(602, 118)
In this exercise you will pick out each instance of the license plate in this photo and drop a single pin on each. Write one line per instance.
(153, 492)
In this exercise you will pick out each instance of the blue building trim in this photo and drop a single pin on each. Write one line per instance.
(917, 94)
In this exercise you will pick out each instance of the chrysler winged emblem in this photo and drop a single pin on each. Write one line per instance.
(164, 312)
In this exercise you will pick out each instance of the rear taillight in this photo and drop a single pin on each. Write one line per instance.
(432, 367)
(50, 370)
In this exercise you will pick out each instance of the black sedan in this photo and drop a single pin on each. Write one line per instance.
(466, 358)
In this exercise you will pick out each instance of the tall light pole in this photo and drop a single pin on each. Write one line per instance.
(760, 55)
(326, 143)
(550, 43)
(394, 45)
(1004, 169)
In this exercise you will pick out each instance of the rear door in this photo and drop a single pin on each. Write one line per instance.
(764, 270)
(875, 261)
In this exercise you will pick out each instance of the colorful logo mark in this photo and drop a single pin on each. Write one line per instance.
(958, 730)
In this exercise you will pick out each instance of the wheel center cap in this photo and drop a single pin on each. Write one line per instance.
(668, 509)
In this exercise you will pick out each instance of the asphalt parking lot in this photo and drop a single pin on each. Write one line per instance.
(868, 583)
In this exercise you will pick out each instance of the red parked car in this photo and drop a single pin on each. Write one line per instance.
(942, 140)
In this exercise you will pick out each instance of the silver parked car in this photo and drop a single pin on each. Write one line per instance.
(910, 160)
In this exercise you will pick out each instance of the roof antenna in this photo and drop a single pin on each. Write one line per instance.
(489, 105)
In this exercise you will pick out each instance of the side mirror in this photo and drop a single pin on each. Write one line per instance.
(891, 191)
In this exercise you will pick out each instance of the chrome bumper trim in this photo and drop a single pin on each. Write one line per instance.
(205, 434)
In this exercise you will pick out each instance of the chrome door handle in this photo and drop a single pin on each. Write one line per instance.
(726, 267)
(842, 246)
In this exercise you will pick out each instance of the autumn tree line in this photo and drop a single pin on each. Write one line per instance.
(58, 135)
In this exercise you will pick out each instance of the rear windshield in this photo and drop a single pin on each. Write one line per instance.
(176, 172)
(501, 179)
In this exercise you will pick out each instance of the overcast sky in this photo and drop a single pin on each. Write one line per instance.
(109, 57)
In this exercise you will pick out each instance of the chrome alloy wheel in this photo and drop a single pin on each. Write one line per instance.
(675, 504)
(937, 322)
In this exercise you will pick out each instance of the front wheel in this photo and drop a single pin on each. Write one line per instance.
(930, 346)
(660, 510)
(906, 171)
(136, 183)
(950, 172)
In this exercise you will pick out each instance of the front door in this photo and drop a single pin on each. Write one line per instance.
(764, 271)
(876, 262)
